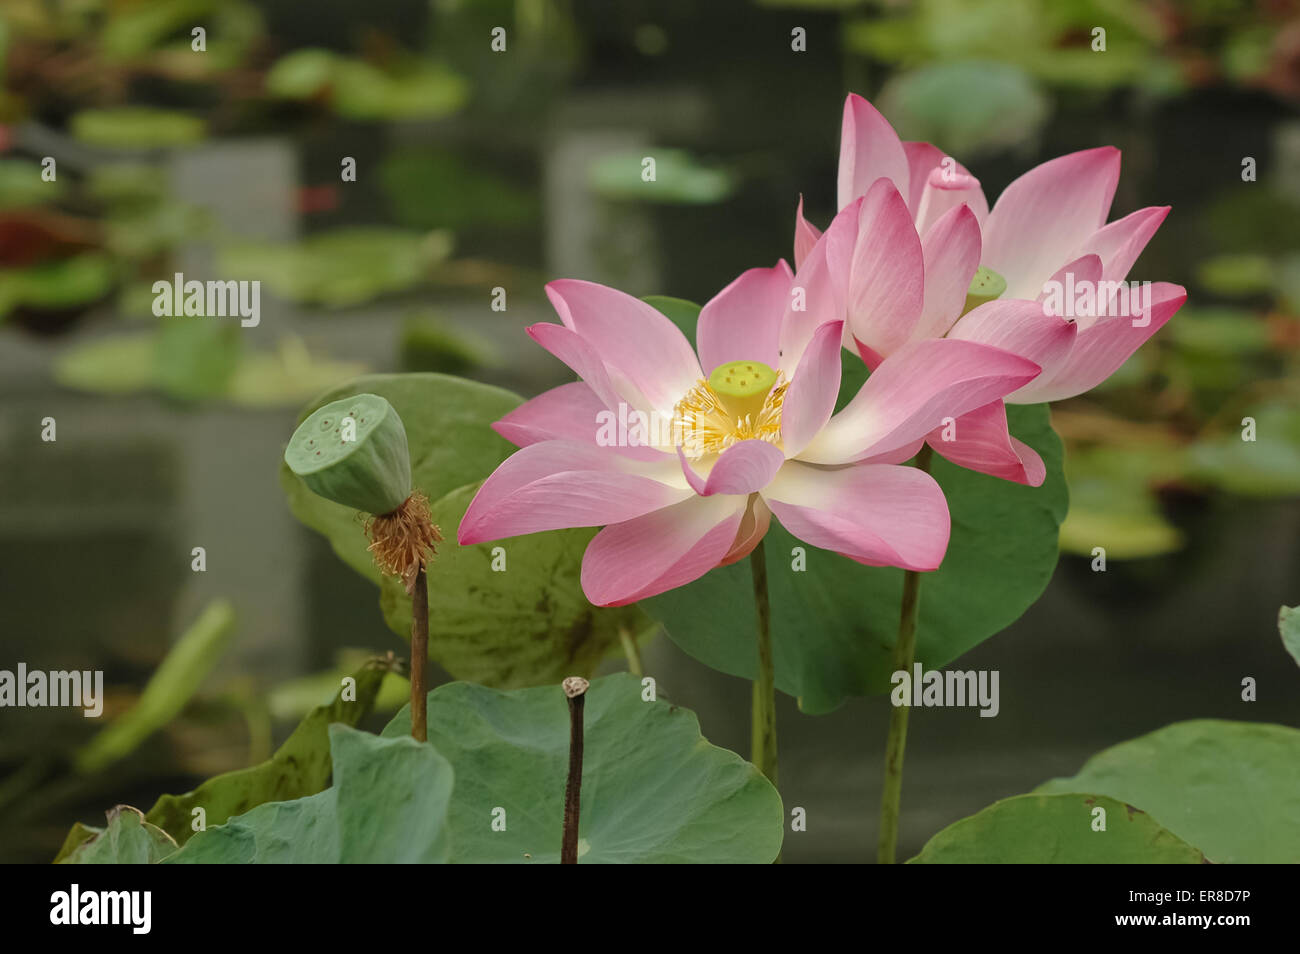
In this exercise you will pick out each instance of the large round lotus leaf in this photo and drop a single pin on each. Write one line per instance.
(1230, 788)
(388, 805)
(1057, 829)
(653, 790)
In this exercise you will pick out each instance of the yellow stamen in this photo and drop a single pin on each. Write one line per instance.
(741, 401)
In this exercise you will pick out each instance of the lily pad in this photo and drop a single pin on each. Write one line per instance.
(51, 286)
(1230, 788)
(968, 107)
(21, 184)
(1288, 624)
(137, 127)
(348, 266)
(388, 805)
(128, 840)
(1057, 829)
(654, 791)
(680, 179)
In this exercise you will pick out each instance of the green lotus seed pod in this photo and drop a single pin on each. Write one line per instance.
(354, 452)
(985, 286)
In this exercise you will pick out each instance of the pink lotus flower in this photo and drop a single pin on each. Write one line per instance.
(1048, 226)
(706, 449)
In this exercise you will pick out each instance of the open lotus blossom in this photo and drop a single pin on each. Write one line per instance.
(715, 444)
(951, 267)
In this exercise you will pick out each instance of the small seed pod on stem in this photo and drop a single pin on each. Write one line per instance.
(354, 452)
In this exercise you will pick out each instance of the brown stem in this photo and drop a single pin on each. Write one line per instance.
(419, 657)
(575, 688)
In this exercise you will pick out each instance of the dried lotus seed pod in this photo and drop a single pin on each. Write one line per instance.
(353, 451)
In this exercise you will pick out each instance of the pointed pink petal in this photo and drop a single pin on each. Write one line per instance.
(1046, 214)
(1121, 242)
(911, 393)
(1085, 269)
(742, 468)
(805, 235)
(869, 150)
(877, 514)
(887, 282)
(1101, 348)
(810, 397)
(743, 321)
(668, 548)
(820, 287)
(922, 160)
(1021, 327)
(951, 250)
(631, 337)
(559, 484)
(981, 442)
(573, 412)
(573, 350)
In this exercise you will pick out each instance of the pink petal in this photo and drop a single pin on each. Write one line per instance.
(869, 150)
(911, 393)
(922, 160)
(887, 282)
(820, 287)
(743, 321)
(951, 249)
(1046, 214)
(573, 412)
(1121, 242)
(573, 350)
(753, 527)
(1085, 269)
(631, 337)
(742, 468)
(668, 548)
(981, 442)
(805, 235)
(946, 188)
(1101, 348)
(810, 397)
(1021, 327)
(877, 514)
(557, 484)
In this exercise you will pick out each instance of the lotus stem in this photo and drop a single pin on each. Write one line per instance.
(575, 689)
(419, 657)
(763, 738)
(904, 656)
(631, 651)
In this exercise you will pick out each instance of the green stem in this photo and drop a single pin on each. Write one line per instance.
(419, 656)
(904, 656)
(763, 738)
(631, 651)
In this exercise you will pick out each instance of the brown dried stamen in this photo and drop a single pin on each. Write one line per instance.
(403, 542)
